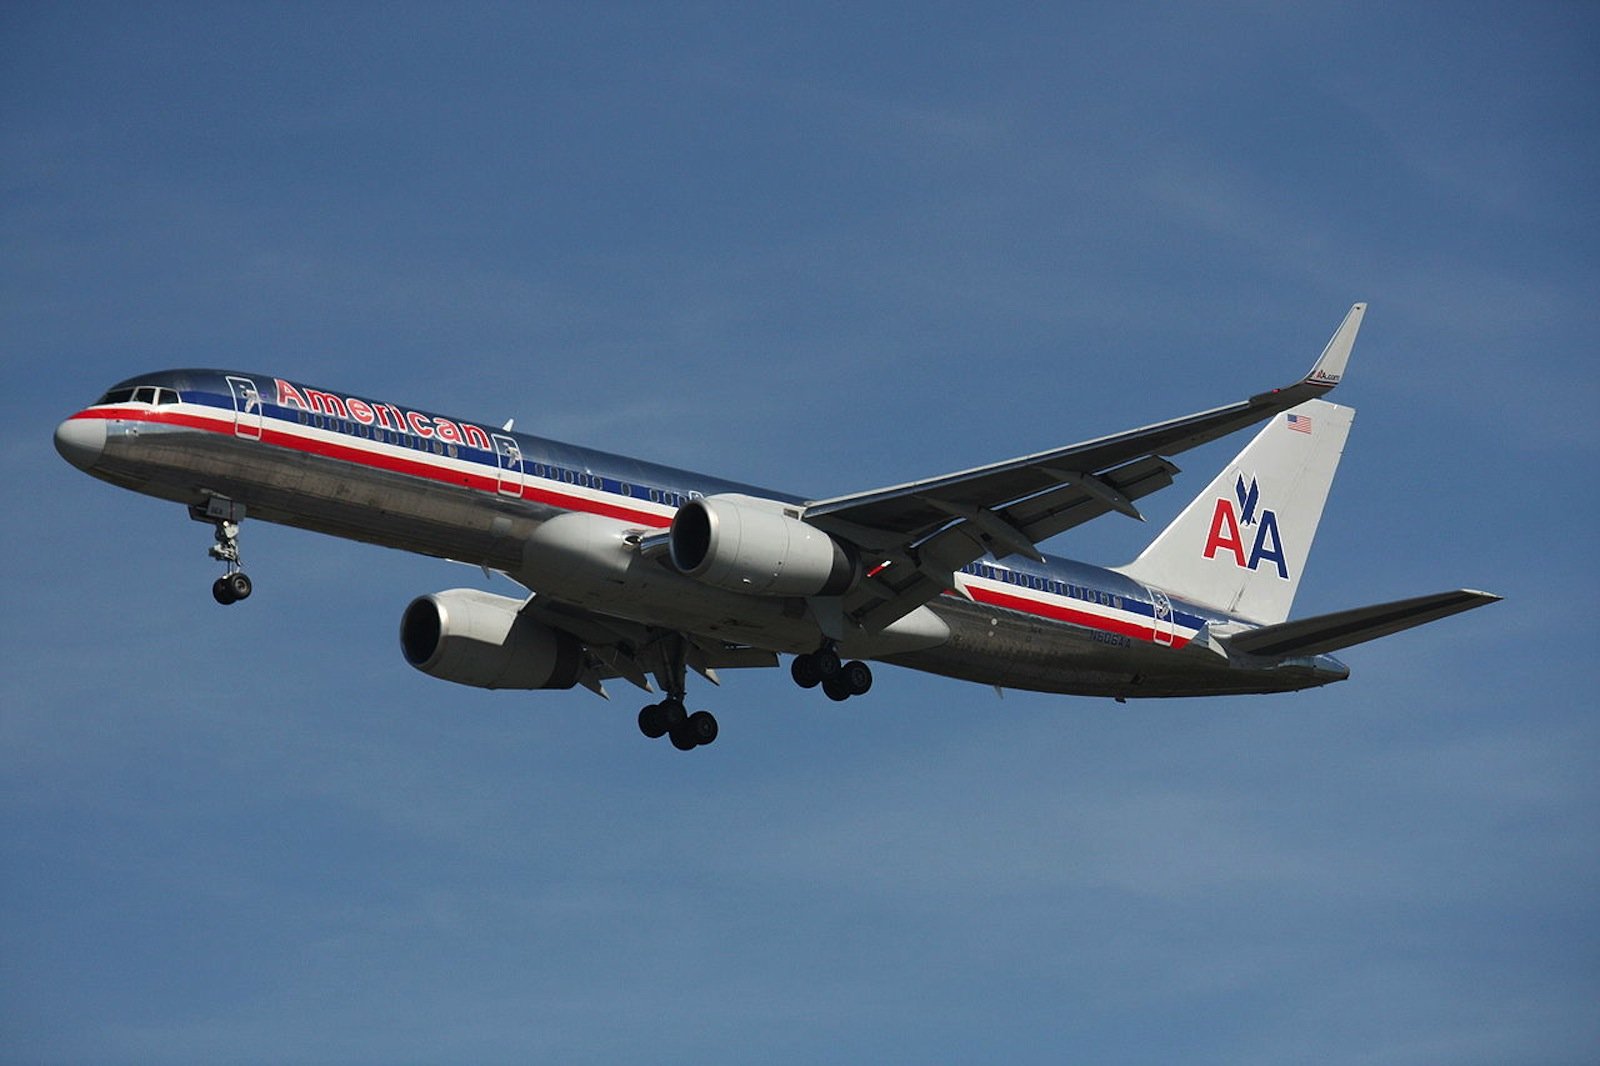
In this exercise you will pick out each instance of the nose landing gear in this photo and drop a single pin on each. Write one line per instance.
(225, 517)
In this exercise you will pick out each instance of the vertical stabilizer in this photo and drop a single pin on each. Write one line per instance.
(1242, 544)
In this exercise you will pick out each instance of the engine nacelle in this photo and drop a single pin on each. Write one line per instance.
(744, 544)
(478, 638)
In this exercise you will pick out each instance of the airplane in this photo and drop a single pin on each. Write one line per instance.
(637, 571)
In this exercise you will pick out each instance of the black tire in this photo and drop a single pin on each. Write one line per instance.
(804, 671)
(240, 585)
(857, 677)
(828, 664)
(222, 591)
(701, 727)
(682, 740)
(672, 713)
(652, 722)
(836, 690)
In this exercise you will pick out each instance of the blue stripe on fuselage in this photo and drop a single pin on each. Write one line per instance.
(639, 480)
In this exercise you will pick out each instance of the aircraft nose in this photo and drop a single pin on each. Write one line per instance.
(81, 440)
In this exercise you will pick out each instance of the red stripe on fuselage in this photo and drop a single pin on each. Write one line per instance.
(377, 460)
(1062, 613)
(490, 485)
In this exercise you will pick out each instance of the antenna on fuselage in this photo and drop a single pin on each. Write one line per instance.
(509, 423)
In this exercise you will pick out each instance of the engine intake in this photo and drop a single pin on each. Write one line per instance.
(480, 639)
(744, 544)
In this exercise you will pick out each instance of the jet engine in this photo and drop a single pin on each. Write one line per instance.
(480, 639)
(745, 544)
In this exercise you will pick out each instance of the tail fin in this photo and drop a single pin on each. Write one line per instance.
(1241, 545)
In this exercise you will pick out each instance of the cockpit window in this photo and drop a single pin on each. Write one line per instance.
(168, 396)
(144, 394)
(115, 396)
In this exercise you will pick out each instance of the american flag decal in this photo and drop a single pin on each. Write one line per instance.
(1299, 423)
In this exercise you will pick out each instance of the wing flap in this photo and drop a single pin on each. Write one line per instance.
(616, 647)
(1081, 497)
(1330, 632)
(908, 579)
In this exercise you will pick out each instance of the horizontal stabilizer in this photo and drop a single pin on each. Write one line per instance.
(1330, 632)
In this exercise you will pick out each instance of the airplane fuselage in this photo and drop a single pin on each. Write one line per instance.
(567, 522)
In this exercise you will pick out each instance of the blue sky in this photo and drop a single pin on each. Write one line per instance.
(823, 248)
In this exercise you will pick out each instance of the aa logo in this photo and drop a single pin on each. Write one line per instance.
(1228, 523)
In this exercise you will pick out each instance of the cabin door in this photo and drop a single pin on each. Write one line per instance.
(246, 408)
(1164, 629)
(509, 455)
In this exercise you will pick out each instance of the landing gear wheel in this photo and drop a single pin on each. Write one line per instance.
(856, 676)
(653, 722)
(804, 671)
(828, 664)
(672, 713)
(701, 727)
(231, 588)
(836, 689)
(667, 656)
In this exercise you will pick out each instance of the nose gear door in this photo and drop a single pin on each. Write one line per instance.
(246, 408)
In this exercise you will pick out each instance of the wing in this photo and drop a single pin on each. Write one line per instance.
(615, 647)
(919, 534)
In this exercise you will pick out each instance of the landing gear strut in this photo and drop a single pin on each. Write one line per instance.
(225, 517)
(839, 680)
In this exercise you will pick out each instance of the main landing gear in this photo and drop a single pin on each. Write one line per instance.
(670, 718)
(839, 680)
(225, 517)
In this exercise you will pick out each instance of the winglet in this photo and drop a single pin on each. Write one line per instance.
(1330, 367)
